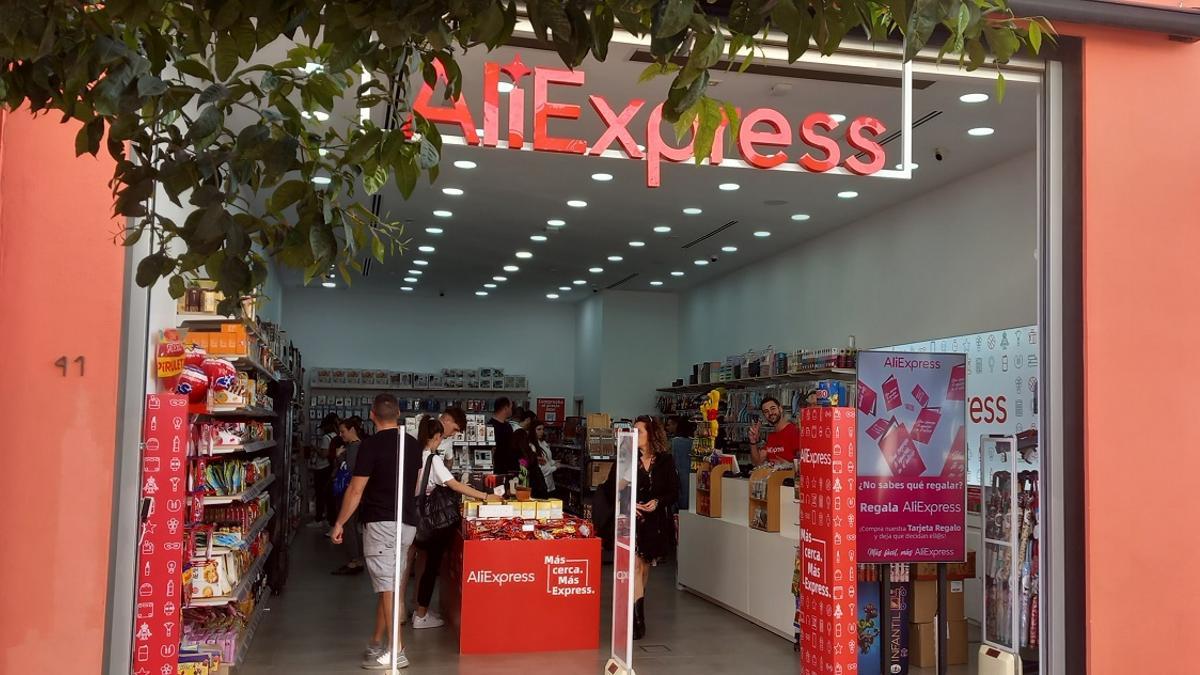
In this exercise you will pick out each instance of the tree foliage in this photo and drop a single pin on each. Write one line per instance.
(220, 102)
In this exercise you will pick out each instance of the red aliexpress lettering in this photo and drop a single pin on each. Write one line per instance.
(658, 149)
(857, 140)
(779, 136)
(808, 134)
(543, 110)
(458, 113)
(617, 126)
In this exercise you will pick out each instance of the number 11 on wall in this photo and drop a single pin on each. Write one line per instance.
(64, 364)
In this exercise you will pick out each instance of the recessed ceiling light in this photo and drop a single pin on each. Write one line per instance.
(677, 273)
(579, 282)
(422, 263)
(662, 229)
(524, 255)
(973, 98)
(406, 289)
(442, 213)
(505, 87)
(576, 203)
(981, 131)
(319, 115)
(322, 152)
(602, 177)
(637, 244)
(595, 270)
(800, 217)
(481, 293)
(452, 192)
(321, 180)
(465, 164)
(615, 258)
(556, 222)
(564, 288)
(499, 278)
(912, 165)
(729, 249)
(693, 211)
(328, 284)
(426, 249)
(762, 234)
(552, 296)
(489, 285)
(656, 283)
(728, 187)
(411, 280)
(537, 237)
(416, 272)
(511, 268)
(847, 194)
(313, 67)
(838, 117)
(700, 262)
(434, 230)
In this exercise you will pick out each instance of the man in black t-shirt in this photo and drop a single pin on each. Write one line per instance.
(372, 490)
(505, 458)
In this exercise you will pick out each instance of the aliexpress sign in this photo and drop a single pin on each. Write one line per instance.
(765, 138)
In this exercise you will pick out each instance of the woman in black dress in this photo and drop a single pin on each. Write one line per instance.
(657, 491)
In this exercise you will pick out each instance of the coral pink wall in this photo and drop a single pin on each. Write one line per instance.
(61, 292)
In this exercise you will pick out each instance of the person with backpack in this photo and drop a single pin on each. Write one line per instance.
(351, 432)
(438, 508)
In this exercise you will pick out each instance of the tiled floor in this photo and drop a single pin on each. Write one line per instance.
(320, 624)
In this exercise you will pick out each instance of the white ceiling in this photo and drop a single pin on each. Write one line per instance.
(511, 194)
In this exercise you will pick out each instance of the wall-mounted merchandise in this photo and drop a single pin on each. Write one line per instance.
(448, 378)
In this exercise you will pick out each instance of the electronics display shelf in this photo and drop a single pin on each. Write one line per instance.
(847, 374)
(242, 587)
(281, 372)
(415, 390)
(244, 496)
(254, 446)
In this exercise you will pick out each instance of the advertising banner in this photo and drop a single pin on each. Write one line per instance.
(870, 628)
(828, 618)
(160, 539)
(551, 410)
(1002, 383)
(912, 456)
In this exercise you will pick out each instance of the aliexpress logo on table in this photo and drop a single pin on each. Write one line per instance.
(758, 128)
(500, 578)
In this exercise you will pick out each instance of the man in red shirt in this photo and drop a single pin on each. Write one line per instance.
(783, 444)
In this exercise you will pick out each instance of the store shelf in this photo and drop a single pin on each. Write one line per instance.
(260, 608)
(255, 529)
(254, 446)
(219, 411)
(416, 390)
(242, 587)
(248, 362)
(244, 496)
(847, 374)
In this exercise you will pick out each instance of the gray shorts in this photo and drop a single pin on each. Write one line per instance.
(379, 550)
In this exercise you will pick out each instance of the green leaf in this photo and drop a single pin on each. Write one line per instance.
(733, 118)
(322, 241)
(976, 54)
(427, 155)
(213, 93)
(269, 81)
(925, 16)
(88, 138)
(1035, 36)
(406, 175)
(964, 20)
(710, 119)
(288, 193)
(149, 270)
(149, 85)
(655, 69)
(227, 14)
(176, 287)
(226, 55)
(680, 98)
(194, 68)
(246, 39)
(207, 123)
(1001, 86)
(377, 248)
(373, 181)
(602, 31)
(672, 16)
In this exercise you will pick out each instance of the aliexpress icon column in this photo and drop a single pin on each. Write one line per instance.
(828, 611)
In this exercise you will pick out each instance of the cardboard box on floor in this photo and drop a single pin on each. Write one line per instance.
(922, 644)
(924, 601)
(959, 571)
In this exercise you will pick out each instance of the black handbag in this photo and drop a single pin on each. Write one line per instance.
(438, 510)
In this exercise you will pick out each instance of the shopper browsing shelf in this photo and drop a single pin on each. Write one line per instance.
(321, 471)
(505, 457)
(351, 432)
(657, 490)
(372, 492)
(680, 430)
(436, 541)
(545, 458)
(526, 444)
(782, 444)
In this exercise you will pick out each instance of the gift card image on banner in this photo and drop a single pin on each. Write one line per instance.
(880, 427)
(868, 400)
(957, 389)
(891, 393)
(926, 424)
(919, 393)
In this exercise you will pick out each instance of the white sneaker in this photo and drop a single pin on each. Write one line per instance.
(384, 661)
(430, 620)
(373, 652)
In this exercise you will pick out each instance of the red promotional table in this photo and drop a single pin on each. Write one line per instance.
(523, 596)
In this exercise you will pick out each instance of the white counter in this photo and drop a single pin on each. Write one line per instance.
(746, 571)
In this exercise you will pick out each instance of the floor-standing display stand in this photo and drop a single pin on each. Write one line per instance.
(620, 660)
(1010, 537)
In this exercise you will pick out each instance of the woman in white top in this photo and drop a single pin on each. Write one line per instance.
(544, 456)
(429, 436)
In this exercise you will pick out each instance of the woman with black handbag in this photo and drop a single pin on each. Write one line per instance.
(438, 506)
